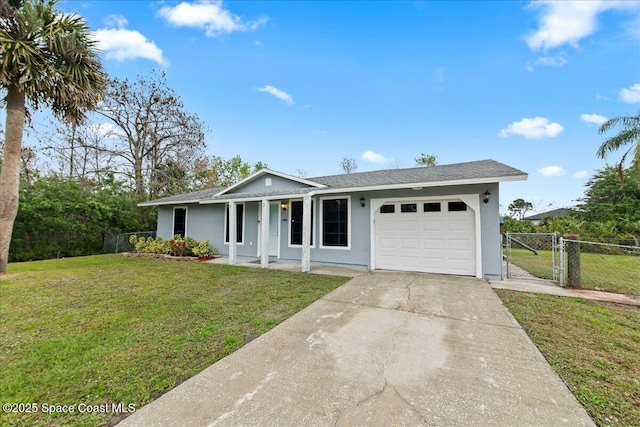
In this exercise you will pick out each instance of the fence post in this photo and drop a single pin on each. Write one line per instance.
(561, 249)
(508, 248)
(573, 260)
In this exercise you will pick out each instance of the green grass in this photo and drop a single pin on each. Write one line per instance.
(108, 329)
(593, 346)
(605, 272)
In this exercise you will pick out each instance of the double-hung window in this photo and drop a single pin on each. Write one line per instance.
(239, 224)
(335, 222)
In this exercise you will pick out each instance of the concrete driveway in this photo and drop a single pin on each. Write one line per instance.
(384, 349)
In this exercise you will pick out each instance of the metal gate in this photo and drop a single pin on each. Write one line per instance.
(533, 256)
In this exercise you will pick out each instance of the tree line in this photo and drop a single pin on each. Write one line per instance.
(609, 209)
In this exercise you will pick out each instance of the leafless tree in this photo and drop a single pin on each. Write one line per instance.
(82, 153)
(152, 128)
(348, 165)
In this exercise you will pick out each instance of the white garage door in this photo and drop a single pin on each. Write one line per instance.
(428, 236)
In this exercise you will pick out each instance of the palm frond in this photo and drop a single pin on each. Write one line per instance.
(629, 134)
(52, 58)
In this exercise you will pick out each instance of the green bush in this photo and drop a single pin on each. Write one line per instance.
(202, 250)
(177, 246)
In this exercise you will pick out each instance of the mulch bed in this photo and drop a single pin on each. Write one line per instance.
(167, 257)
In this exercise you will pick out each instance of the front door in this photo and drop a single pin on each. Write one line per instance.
(274, 229)
(274, 221)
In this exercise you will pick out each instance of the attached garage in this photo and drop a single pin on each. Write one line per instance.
(434, 236)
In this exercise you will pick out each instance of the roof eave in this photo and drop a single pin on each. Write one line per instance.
(329, 190)
(447, 183)
(169, 202)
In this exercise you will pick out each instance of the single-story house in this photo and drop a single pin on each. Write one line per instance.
(537, 219)
(438, 219)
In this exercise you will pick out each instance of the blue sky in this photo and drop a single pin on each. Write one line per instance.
(302, 84)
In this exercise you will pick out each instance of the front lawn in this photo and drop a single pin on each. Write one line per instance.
(605, 272)
(593, 346)
(106, 329)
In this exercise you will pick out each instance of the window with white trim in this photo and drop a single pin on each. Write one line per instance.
(179, 222)
(335, 222)
(239, 223)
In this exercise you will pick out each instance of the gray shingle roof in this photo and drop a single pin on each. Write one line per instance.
(453, 172)
(479, 170)
(193, 197)
(553, 214)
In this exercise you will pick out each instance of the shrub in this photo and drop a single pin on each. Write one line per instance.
(202, 250)
(176, 246)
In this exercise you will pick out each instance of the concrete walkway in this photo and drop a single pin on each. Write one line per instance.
(384, 349)
(549, 288)
(524, 281)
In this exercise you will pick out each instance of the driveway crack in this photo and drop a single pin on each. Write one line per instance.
(408, 286)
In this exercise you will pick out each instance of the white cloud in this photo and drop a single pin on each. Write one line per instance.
(281, 95)
(552, 171)
(373, 157)
(630, 94)
(121, 44)
(210, 16)
(556, 61)
(581, 175)
(117, 21)
(534, 128)
(567, 22)
(595, 119)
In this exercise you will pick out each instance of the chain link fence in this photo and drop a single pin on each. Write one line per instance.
(605, 266)
(531, 256)
(120, 242)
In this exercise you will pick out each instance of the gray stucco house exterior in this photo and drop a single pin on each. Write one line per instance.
(437, 219)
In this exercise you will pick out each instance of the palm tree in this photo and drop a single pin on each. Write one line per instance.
(630, 134)
(47, 58)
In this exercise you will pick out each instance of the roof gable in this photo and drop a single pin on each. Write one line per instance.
(284, 182)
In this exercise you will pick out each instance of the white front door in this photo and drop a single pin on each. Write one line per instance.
(274, 229)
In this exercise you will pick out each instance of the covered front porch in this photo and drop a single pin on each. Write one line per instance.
(277, 264)
(264, 237)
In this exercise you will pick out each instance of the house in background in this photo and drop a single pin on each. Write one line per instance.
(537, 219)
(438, 219)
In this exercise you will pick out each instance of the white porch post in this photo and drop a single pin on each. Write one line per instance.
(233, 235)
(264, 234)
(306, 233)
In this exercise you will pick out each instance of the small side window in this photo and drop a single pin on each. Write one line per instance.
(457, 206)
(431, 207)
(387, 208)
